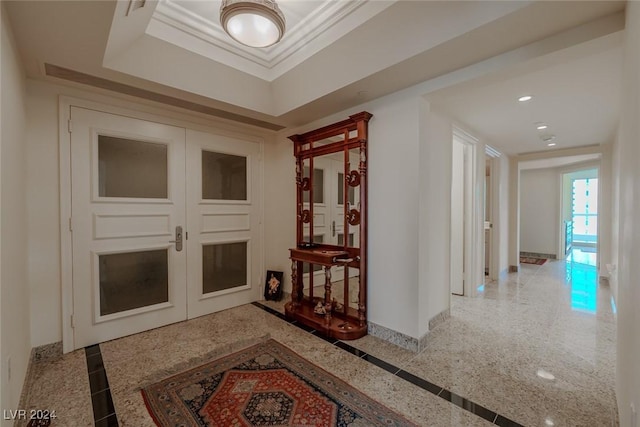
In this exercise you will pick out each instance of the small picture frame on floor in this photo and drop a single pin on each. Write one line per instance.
(273, 285)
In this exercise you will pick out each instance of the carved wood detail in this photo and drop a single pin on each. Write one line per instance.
(353, 217)
(353, 178)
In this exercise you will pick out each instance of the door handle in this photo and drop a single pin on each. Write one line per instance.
(178, 240)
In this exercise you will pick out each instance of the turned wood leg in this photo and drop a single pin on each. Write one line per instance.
(294, 285)
(327, 292)
(300, 283)
(362, 309)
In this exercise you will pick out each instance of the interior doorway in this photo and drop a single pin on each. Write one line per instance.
(580, 214)
(466, 241)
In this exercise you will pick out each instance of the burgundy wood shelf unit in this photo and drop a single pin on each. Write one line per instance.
(331, 228)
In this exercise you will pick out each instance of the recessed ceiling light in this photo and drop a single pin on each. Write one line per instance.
(541, 126)
(549, 422)
(551, 144)
(545, 374)
(525, 98)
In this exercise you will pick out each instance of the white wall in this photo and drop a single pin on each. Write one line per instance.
(394, 200)
(279, 209)
(514, 214)
(628, 340)
(501, 213)
(43, 216)
(539, 210)
(615, 218)
(605, 212)
(435, 175)
(14, 312)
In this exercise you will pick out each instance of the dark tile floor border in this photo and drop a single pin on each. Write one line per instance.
(104, 413)
(441, 392)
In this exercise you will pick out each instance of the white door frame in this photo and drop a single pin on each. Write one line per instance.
(64, 155)
(458, 202)
(492, 155)
(473, 216)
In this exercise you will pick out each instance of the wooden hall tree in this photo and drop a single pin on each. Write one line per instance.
(331, 229)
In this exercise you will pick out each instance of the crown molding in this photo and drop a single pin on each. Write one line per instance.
(178, 25)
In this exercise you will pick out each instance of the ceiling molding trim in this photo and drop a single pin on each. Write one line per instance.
(99, 82)
(491, 152)
(322, 18)
(562, 152)
(184, 20)
(178, 25)
(307, 30)
(464, 135)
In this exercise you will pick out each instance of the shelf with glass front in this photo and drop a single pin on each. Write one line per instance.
(329, 262)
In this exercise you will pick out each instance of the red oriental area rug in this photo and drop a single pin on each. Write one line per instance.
(263, 385)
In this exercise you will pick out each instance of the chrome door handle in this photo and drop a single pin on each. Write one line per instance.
(178, 240)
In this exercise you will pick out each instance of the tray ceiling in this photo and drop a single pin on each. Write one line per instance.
(311, 26)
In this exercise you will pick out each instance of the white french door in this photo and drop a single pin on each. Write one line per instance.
(127, 200)
(139, 189)
(223, 215)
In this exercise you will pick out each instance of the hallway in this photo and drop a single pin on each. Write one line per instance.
(502, 349)
(499, 351)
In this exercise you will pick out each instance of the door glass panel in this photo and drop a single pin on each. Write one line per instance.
(351, 191)
(224, 176)
(133, 280)
(318, 185)
(224, 266)
(130, 168)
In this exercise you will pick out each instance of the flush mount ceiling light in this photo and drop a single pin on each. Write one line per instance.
(541, 126)
(525, 98)
(551, 144)
(254, 23)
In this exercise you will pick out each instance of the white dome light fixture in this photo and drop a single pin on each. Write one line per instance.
(254, 23)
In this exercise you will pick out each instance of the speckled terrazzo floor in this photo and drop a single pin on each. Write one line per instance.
(550, 318)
